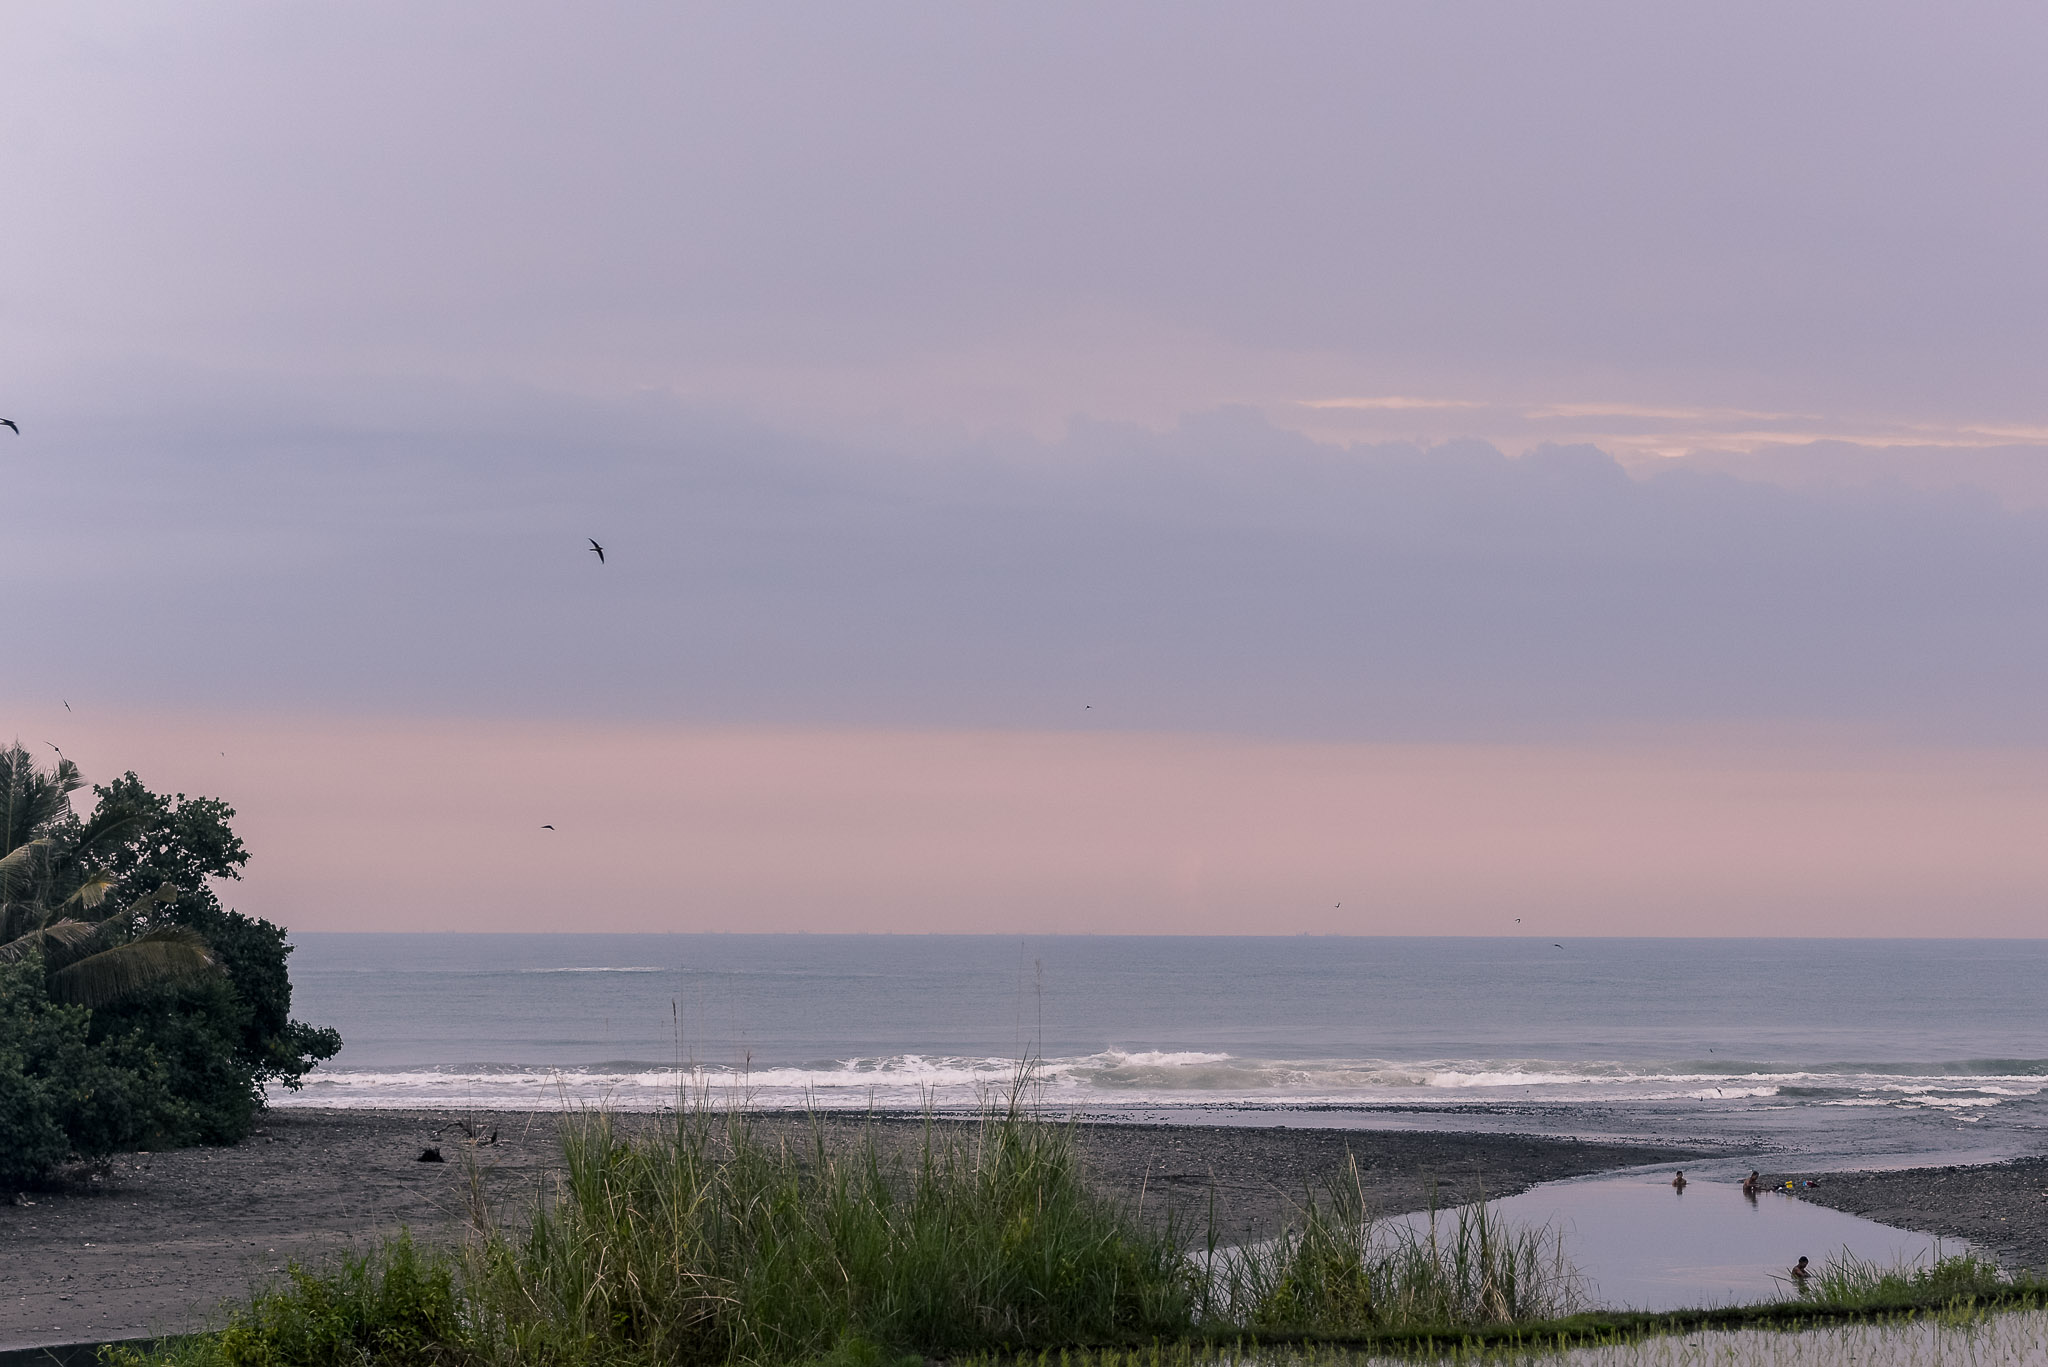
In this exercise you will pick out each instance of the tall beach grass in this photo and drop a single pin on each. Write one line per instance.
(1338, 1269)
(712, 1238)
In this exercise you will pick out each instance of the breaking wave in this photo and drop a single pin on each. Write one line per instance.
(1118, 1079)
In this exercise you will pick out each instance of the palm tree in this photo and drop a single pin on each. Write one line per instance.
(50, 892)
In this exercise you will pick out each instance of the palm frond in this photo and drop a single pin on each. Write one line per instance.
(93, 890)
(64, 934)
(16, 861)
(165, 894)
(163, 958)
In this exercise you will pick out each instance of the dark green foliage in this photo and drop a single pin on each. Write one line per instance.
(186, 842)
(190, 1002)
(395, 1308)
(59, 1095)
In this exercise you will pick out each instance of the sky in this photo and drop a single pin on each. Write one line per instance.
(1348, 468)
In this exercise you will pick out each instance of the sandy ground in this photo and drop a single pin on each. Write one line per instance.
(163, 1240)
(2002, 1208)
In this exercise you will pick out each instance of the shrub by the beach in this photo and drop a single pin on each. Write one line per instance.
(184, 1005)
(59, 1095)
(221, 1039)
(393, 1307)
(396, 1307)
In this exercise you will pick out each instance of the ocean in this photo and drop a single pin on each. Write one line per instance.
(1866, 1051)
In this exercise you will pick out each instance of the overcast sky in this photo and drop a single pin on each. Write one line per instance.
(1650, 388)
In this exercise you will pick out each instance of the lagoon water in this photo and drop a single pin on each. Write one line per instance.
(1864, 1051)
(1641, 1245)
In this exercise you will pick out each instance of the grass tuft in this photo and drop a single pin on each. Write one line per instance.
(1341, 1271)
(1847, 1280)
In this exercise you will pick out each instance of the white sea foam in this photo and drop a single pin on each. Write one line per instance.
(1124, 1079)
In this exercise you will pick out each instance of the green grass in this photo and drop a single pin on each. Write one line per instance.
(712, 1245)
(1338, 1270)
(706, 1240)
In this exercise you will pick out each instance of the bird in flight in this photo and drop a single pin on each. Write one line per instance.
(1518, 920)
(9, 422)
(547, 827)
(599, 549)
(1557, 946)
(67, 705)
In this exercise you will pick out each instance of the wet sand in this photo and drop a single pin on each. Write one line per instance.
(163, 1240)
(2002, 1208)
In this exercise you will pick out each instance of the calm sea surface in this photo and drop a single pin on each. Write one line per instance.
(1889, 1051)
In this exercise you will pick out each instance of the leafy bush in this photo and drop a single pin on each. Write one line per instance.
(160, 1023)
(396, 1307)
(59, 1094)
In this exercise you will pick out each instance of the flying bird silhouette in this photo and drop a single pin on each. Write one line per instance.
(67, 706)
(9, 422)
(547, 827)
(599, 549)
(1557, 946)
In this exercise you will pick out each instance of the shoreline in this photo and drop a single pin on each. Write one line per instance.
(162, 1240)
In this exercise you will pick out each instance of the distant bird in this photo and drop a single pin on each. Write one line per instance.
(547, 828)
(599, 549)
(1557, 946)
(1518, 920)
(67, 706)
(9, 422)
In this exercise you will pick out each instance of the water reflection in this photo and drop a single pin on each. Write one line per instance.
(1643, 1242)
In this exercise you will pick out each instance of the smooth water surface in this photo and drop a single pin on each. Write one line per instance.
(1641, 1245)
